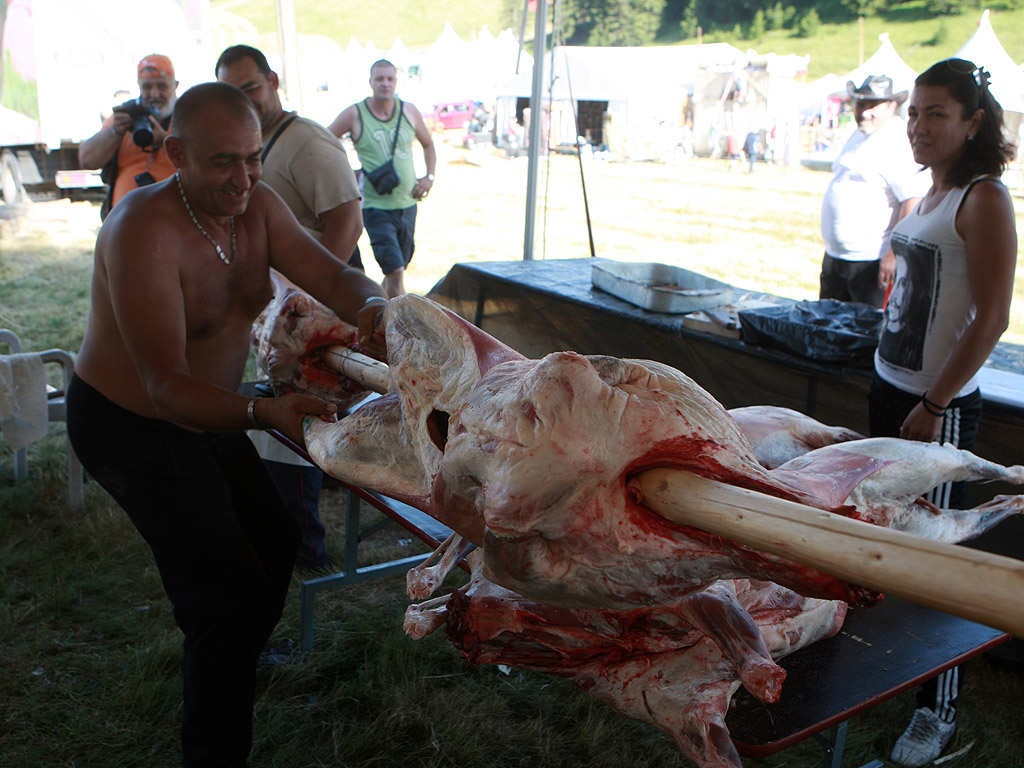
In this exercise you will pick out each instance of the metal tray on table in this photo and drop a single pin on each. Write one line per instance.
(660, 287)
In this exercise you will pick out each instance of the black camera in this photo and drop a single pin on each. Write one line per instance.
(142, 129)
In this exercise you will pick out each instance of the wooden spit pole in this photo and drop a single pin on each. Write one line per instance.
(975, 585)
(966, 582)
(362, 369)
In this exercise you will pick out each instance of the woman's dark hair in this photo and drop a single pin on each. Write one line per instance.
(989, 152)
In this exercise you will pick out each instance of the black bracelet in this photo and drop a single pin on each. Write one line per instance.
(932, 408)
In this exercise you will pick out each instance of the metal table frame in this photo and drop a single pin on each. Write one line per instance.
(418, 523)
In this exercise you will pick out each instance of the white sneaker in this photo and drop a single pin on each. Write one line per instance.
(923, 741)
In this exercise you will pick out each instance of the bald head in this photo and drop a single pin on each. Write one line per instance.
(193, 105)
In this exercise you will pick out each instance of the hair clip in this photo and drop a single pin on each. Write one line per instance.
(982, 78)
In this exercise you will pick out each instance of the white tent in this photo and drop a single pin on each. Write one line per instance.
(452, 69)
(985, 50)
(884, 61)
(398, 54)
(647, 94)
(610, 73)
(815, 94)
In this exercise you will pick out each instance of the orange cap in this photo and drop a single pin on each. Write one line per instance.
(155, 65)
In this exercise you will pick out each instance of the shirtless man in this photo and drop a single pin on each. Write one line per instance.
(182, 268)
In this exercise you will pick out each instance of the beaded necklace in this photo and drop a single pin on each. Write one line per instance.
(202, 230)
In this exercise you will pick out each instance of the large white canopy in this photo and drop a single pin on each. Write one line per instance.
(985, 50)
(596, 73)
(884, 61)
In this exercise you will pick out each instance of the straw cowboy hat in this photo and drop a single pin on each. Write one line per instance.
(875, 88)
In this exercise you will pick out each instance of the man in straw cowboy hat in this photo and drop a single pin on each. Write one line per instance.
(875, 183)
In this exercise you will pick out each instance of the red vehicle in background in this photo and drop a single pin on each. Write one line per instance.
(451, 115)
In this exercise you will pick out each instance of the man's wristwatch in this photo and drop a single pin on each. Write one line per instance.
(430, 178)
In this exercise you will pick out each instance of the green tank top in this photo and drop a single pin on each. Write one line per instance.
(374, 149)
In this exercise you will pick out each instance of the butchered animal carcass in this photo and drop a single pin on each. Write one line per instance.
(777, 435)
(675, 666)
(531, 460)
(289, 337)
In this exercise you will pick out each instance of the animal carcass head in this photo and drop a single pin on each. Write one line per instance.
(543, 451)
(289, 337)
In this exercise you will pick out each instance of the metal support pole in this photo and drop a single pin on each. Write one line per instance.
(287, 39)
(536, 122)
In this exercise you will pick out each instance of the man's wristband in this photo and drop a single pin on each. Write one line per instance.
(251, 410)
(373, 299)
(932, 408)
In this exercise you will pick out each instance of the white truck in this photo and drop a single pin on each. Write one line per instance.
(65, 63)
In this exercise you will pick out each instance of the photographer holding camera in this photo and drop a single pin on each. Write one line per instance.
(130, 145)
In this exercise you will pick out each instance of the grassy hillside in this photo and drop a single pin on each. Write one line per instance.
(919, 37)
(417, 22)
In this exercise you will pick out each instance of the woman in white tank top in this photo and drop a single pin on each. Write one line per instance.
(956, 252)
(950, 302)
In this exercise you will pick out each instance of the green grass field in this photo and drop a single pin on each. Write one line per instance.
(920, 37)
(418, 23)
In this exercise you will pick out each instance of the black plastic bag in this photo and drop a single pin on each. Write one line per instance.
(828, 331)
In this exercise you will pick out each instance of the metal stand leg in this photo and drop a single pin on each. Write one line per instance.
(834, 741)
(20, 465)
(351, 574)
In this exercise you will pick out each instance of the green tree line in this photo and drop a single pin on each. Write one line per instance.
(642, 22)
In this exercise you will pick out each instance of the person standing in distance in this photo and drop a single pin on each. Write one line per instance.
(875, 183)
(126, 164)
(309, 169)
(389, 217)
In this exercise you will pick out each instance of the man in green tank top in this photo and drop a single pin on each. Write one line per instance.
(389, 218)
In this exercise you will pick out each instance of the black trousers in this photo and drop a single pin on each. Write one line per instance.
(300, 488)
(850, 281)
(224, 545)
(888, 407)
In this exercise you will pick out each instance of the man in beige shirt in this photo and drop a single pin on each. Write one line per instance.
(308, 168)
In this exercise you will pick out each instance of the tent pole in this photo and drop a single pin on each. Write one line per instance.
(286, 39)
(536, 121)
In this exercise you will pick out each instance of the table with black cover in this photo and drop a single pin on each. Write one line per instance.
(539, 307)
(879, 653)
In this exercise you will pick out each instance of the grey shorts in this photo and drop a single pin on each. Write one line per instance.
(391, 236)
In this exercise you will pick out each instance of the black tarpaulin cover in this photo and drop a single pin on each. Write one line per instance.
(828, 331)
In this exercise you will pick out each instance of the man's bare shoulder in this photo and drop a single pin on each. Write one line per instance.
(264, 204)
(412, 110)
(142, 217)
(347, 122)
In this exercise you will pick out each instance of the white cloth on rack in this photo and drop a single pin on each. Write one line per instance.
(24, 415)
